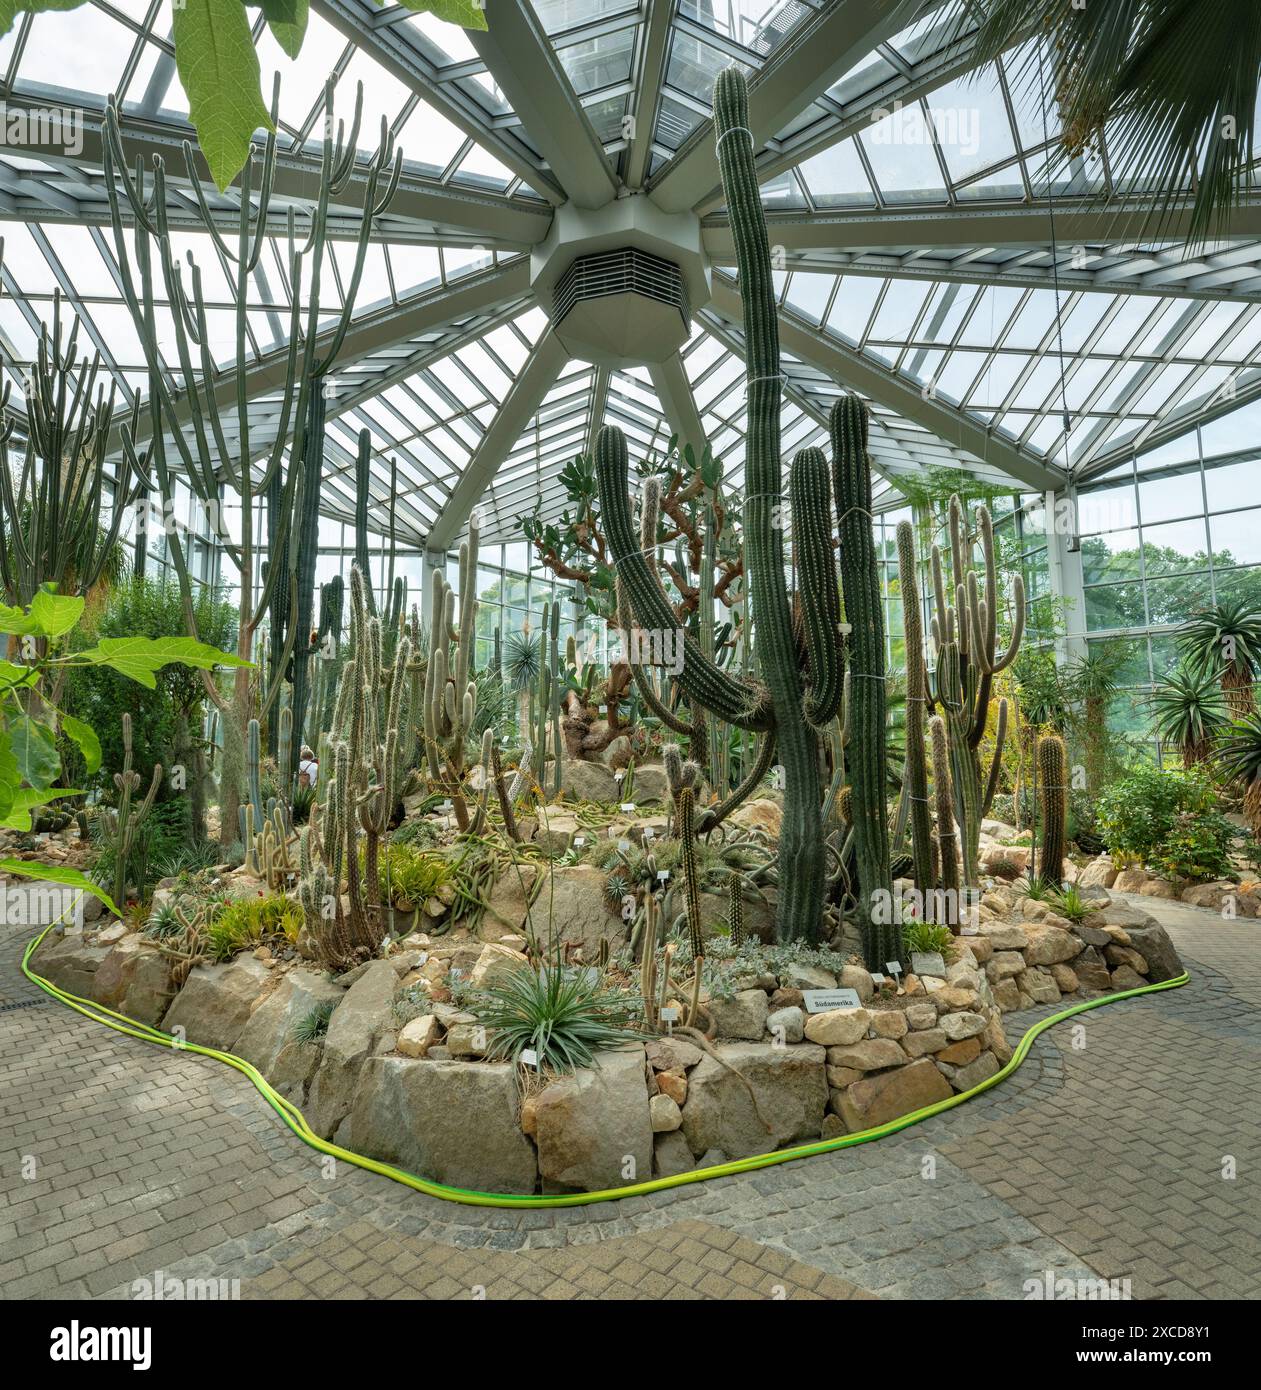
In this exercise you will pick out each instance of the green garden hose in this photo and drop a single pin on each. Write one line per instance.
(294, 1118)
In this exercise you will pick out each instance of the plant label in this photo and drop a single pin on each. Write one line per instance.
(877, 978)
(822, 1001)
(529, 1058)
(669, 1015)
(628, 805)
(893, 967)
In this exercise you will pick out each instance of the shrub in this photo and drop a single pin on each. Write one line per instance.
(249, 922)
(408, 875)
(1168, 820)
(927, 937)
(1069, 903)
(1197, 847)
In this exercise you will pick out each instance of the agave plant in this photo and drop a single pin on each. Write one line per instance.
(1170, 85)
(521, 661)
(564, 1015)
(1239, 755)
(1224, 641)
(1189, 712)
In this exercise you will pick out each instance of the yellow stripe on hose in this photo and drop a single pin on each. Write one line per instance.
(294, 1118)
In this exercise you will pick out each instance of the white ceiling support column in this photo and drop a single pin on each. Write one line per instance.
(650, 74)
(848, 366)
(522, 402)
(818, 53)
(674, 391)
(599, 403)
(516, 50)
(1063, 554)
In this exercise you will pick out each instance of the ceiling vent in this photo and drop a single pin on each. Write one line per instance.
(620, 307)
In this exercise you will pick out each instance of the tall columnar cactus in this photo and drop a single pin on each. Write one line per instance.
(1053, 793)
(450, 700)
(735, 910)
(864, 611)
(965, 635)
(789, 706)
(943, 794)
(123, 823)
(691, 891)
(363, 476)
(923, 846)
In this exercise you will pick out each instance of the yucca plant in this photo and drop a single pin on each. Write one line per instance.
(1189, 713)
(565, 1016)
(1068, 902)
(312, 1027)
(1239, 755)
(1224, 641)
(1169, 85)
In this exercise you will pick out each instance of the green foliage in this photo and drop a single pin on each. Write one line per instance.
(1189, 712)
(565, 1016)
(408, 875)
(312, 1027)
(249, 922)
(1069, 903)
(927, 937)
(416, 830)
(1168, 820)
(1196, 847)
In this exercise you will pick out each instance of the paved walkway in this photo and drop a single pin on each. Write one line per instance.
(1107, 1155)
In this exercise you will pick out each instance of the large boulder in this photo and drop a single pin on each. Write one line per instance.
(1153, 944)
(743, 1016)
(581, 781)
(788, 1082)
(594, 1129)
(217, 1000)
(761, 813)
(507, 904)
(579, 917)
(838, 1027)
(1051, 946)
(135, 979)
(876, 1100)
(70, 963)
(1099, 873)
(365, 1012)
(267, 1039)
(453, 1122)
(650, 784)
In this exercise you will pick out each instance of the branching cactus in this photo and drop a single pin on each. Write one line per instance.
(121, 825)
(1053, 792)
(943, 793)
(965, 635)
(450, 693)
(794, 706)
(923, 846)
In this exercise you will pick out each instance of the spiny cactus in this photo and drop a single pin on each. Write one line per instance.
(502, 794)
(923, 846)
(788, 706)
(122, 823)
(450, 694)
(735, 910)
(1053, 794)
(965, 635)
(691, 892)
(943, 794)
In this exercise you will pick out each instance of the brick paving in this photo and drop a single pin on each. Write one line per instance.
(1107, 1155)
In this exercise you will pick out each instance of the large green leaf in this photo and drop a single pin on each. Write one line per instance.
(218, 69)
(19, 814)
(10, 9)
(57, 873)
(16, 677)
(56, 614)
(85, 736)
(140, 657)
(10, 773)
(17, 620)
(466, 13)
(287, 20)
(35, 750)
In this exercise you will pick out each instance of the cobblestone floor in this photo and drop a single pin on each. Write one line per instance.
(1107, 1154)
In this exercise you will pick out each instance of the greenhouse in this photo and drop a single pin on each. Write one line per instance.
(632, 640)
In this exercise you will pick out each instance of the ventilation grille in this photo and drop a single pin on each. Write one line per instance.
(620, 272)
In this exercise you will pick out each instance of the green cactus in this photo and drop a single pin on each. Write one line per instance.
(122, 823)
(363, 476)
(691, 891)
(450, 698)
(923, 846)
(943, 793)
(735, 910)
(1053, 795)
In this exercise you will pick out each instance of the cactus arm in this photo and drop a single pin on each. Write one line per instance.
(713, 816)
(810, 491)
(1000, 738)
(944, 796)
(915, 784)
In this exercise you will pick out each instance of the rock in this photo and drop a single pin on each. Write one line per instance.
(1159, 888)
(111, 935)
(1124, 977)
(1125, 955)
(1152, 941)
(419, 1035)
(672, 1054)
(453, 1122)
(1092, 936)
(876, 1100)
(496, 964)
(581, 781)
(743, 1016)
(786, 1025)
(837, 1027)
(759, 814)
(921, 1016)
(672, 1084)
(1038, 985)
(593, 1128)
(787, 999)
(791, 1092)
(869, 1055)
(996, 1040)
(467, 1040)
(579, 917)
(365, 1011)
(215, 1003)
(963, 975)
(1006, 995)
(840, 1077)
(1129, 881)
(923, 1043)
(959, 1054)
(982, 948)
(1065, 978)
(135, 979)
(1091, 970)
(664, 1114)
(965, 1078)
(1118, 935)
(1120, 914)
(1004, 965)
(267, 1040)
(1099, 873)
(889, 1023)
(856, 978)
(69, 963)
(671, 1155)
(807, 977)
(1051, 945)
(650, 784)
(833, 1126)
(507, 910)
(956, 1027)
(1004, 936)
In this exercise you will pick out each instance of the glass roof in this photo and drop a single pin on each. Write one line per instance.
(926, 259)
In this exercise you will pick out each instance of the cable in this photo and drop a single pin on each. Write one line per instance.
(294, 1118)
